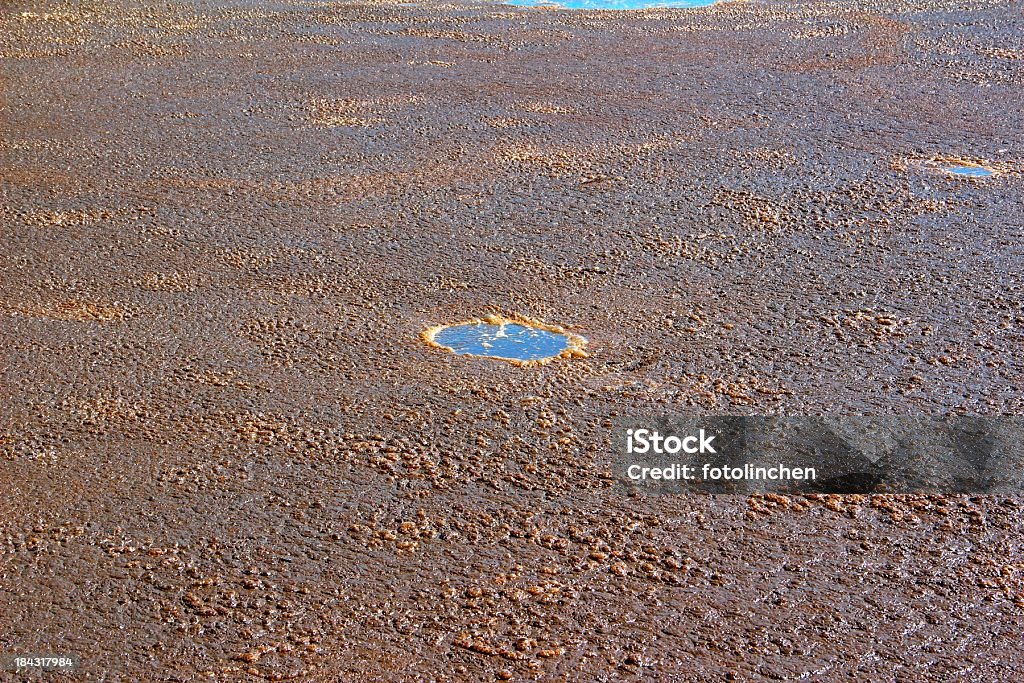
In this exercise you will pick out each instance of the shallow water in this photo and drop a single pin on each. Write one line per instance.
(612, 4)
(967, 171)
(510, 341)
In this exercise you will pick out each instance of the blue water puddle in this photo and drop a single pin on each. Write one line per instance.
(612, 4)
(967, 171)
(508, 341)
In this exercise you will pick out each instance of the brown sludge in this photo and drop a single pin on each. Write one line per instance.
(226, 454)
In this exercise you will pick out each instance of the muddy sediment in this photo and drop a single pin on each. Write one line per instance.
(227, 453)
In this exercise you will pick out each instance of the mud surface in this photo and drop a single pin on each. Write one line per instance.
(226, 454)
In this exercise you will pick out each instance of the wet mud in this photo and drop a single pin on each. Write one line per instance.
(227, 454)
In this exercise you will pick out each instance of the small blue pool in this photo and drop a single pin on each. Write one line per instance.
(611, 4)
(508, 341)
(967, 170)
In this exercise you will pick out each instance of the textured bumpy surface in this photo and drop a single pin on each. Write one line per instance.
(226, 454)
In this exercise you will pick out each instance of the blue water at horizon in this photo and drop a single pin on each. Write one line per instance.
(612, 4)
